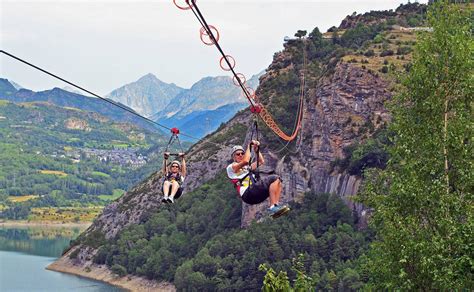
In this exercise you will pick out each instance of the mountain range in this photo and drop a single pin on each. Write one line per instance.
(199, 109)
(63, 98)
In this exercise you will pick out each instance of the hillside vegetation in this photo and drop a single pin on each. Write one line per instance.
(44, 162)
(198, 244)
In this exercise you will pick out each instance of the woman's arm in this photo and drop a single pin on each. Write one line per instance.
(165, 162)
(183, 164)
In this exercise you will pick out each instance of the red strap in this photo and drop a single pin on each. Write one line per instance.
(236, 183)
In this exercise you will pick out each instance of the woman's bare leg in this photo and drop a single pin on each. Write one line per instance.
(166, 188)
(174, 188)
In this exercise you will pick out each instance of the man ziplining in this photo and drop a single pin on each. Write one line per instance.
(250, 188)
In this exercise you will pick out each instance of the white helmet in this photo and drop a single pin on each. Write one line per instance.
(236, 148)
(175, 162)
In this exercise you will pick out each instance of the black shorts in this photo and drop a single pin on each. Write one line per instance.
(178, 193)
(258, 192)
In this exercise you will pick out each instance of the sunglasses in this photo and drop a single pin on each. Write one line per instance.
(239, 154)
(174, 166)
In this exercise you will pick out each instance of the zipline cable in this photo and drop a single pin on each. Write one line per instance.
(204, 24)
(262, 111)
(100, 97)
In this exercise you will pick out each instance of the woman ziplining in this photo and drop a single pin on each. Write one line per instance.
(175, 172)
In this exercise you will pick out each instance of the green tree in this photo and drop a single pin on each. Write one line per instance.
(280, 282)
(422, 203)
(300, 33)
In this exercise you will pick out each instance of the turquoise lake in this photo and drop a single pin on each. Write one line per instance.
(24, 254)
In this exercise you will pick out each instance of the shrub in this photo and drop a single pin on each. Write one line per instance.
(378, 39)
(359, 35)
(119, 270)
(386, 53)
(369, 53)
(74, 254)
(403, 50)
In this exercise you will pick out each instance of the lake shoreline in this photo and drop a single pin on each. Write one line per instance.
(102, 273)
(25, 223)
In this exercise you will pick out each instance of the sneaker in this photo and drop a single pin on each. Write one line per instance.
(165, 199)
(170, 200)
(273, 210)
(278, 211)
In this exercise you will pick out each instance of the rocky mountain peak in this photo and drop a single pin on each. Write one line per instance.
(148, 78)
(147, 95)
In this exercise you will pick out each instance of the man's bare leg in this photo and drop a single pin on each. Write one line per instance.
(275, 192)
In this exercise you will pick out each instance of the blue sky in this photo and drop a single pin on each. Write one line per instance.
(104, 44)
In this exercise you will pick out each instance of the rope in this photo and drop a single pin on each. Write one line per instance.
(326, 69)
(173, 138)
(300, 105)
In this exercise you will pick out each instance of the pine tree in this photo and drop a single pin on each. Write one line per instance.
(422, 203)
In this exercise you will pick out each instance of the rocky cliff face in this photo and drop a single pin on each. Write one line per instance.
(132, 208)
(77, 124)
(336, 112)
(338, 108)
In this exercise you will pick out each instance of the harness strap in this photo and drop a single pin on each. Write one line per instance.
(178, 179)
(238, 182)
(257, 153)
(174, 136)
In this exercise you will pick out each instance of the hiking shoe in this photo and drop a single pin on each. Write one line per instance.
(165, 199)
(170, 200)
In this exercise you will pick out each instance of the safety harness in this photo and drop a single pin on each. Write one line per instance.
(169, 176)
(177, 177)
(253, 175)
